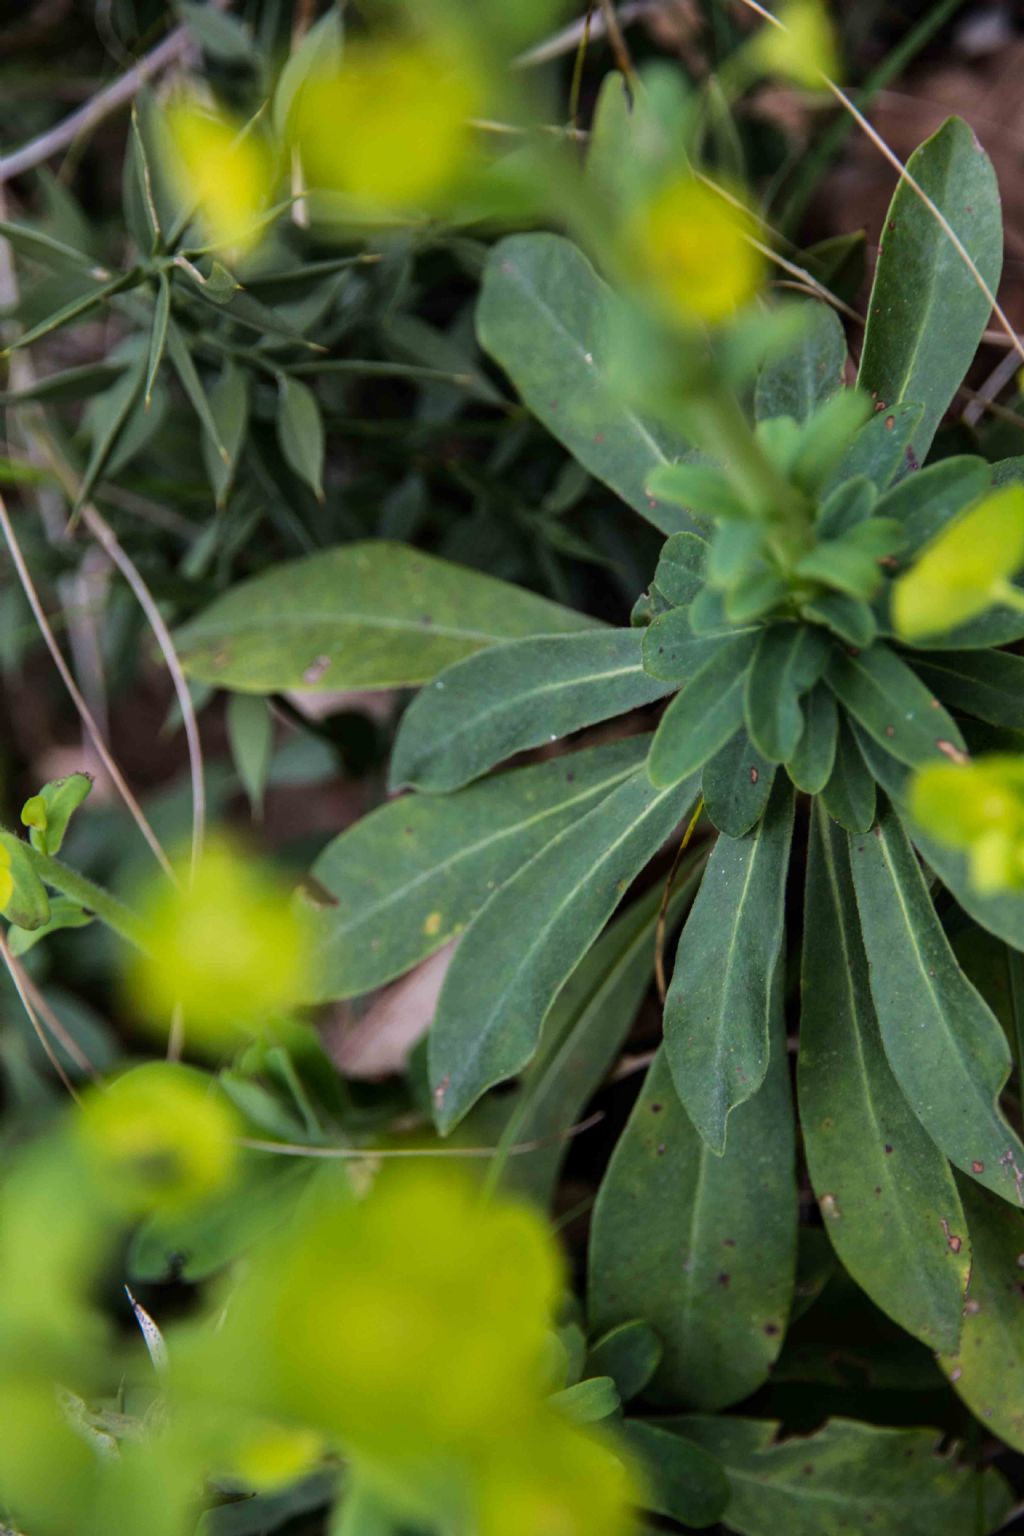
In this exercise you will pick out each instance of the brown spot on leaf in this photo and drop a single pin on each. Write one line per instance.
(754, 775)
(952, 751)
(977, 1167)
(890, 422)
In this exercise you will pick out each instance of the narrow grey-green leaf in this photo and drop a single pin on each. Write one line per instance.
(157, 335)
(511, 697)
(251, 739)
(364, 615)
(683, 1481)
(543, 317)
(42, 247)
(192, 384)
(986, 684)
(630, 1354)
(300, 432)
(927, 312)
(846, 1477)
(986, 1370)
(408, 878)
(109, 422)
(809, 373)
(718, 1008)
(736, 783)
(704, 714)
(524, 943)
(702, 1247)
(926, 501)
(945, 1046)
(229, 406)
(887, 1194)
(75, 308)
(682, 567)
(672, 651)
(882, 448)
(849, 793)
(788, 661)
(889, 700)
(811, 764)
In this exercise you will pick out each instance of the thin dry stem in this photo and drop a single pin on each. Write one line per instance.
(17, 975)
(295, 1149)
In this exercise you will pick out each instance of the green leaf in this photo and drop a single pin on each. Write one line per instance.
(986, 1369)
(185, 368)
(587, 1402)
(672, 651)
(704, 714)
(986, 684)
(682, 568)
(846, 507)
(111, 417)
(927, 313)
(892, 704)
(945, 1046)
(581, 1037)
(810, 766)
(682, 1481)
(847, 617)
(407, 878)
(28, 905)
(543, 317)
(137, 193)
(887, 1195)
(701, 490)
(718, 1008)
(222, 37)
(511, 697)
(48, 814)
(630, 1354)
(925, 502)
(849, 794)
(524, 943)
(702, 1247)
(826, 438)
(809, 373)
(157, 336)
(320, 49)
(64, 913)
(300, 431)
(363, 615)
(229, 408)
(846, 1477)
(881, 450)
(75, 308)
(788, 661)
(251, 739)
(39, 246)
(736, 783)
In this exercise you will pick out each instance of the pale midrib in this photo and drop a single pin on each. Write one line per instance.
(369, 914)
(210, 631)
(715, 1061)
(526, 957)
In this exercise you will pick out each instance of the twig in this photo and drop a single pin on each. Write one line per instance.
(57, 1029)
(17, 975)
(85, 713)
(569, 38)
(997, 380)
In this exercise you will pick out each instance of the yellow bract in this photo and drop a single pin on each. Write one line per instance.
(228, 947)
(978, 807)
(803, 48)
(157, 1140)
(269, 1455)
(558, 1482)
(6, 877)
(390, 129)
(960, 573)
(694, 249)
(223, 169)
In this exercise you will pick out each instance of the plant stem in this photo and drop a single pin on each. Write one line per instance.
(70, 883)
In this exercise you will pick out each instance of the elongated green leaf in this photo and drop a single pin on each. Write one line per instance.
(320, 49)
(682, 567)
(582, 1034)
(882, 448)
(700, 489)
(946, 1049)
(892, 704)
(886, 1192)
(809, 373)
(587, 1402)
(704, 714)
(543, 317)
(702, 1247)
(849, 794)
(533, 931)
(75, 308)
(157, 335)
(925, 502)
(409, 877)
(229, 405)
(718, 1007)
(736, 783)
(986, 1371)
(810, 766)
(364, 615)
(788, 661)
(845, 1478)
(683, 1481)
(927, 313)
(515, 696)
(300, 431)
(42, 247)
(672, 650)
(251, 739)
(192, 384)
(110, 422)
(630, 1354)
(986, 684)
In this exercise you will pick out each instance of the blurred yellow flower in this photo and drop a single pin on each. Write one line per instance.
(557, 1481)
(6, 877)
(158, 1139)
(228, 948)
(965, 569)
(695, 250)
(268, 1455)
(802, 48)
(390, 129)
(978, 807)
(222, 169)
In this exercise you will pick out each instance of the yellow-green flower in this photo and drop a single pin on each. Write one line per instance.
(223, 169)
(158, 1139)
(803, 48)
(228, 948)
(965, 569)
(978, 807)
(389, 130)
(694, 250)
